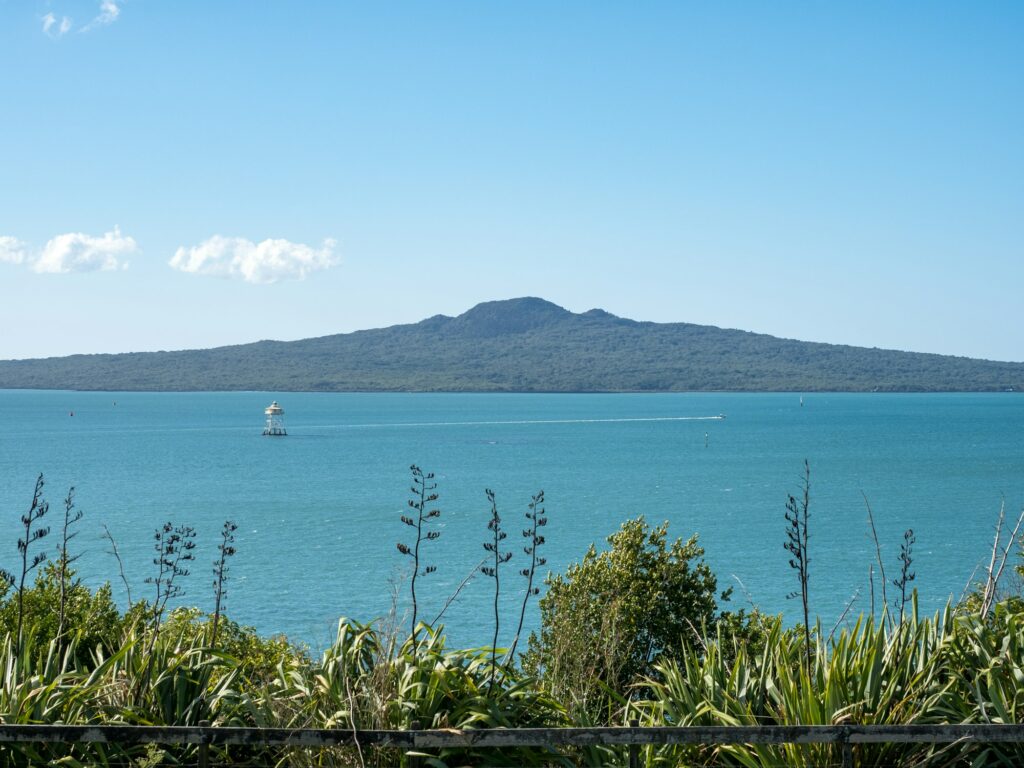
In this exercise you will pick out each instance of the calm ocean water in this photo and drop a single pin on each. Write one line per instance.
(318, 510)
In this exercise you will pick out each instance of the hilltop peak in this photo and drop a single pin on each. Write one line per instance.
(600, 314)
(497, 318)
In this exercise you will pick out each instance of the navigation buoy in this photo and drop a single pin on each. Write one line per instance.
(274, 426)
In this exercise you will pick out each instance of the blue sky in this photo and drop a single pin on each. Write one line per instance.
(185, 174)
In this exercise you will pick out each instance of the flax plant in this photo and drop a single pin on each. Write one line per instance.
(120, 563)
(220, 573)
(66, 559)
(865, 675)
(173, 546)
(36, 512)
(797, 536)
(537, 519)
(494, 571)
(906, 575)
(424, 494)
(363, 681)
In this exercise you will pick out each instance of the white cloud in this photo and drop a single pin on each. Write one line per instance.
(55, 28)
(12, 250)
(109, 11)
(265, 262)
(78, 252)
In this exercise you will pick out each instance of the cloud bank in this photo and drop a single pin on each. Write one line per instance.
(71, 252)
(268, 261)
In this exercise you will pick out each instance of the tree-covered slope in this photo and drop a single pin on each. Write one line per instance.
(522, 345)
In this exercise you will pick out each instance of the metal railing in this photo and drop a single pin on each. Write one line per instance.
(416, 739)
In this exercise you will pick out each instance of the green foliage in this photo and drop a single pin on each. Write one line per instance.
(257, 659)
(367, 681)
(948, 669)
(740, 631)
(610, 618)
(864, 676)
(985, 657)
(92, 617)
(746, 670)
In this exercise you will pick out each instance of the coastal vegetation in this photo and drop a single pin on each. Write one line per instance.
(636, 632)
(523, 345)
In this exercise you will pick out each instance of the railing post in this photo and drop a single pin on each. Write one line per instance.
(847, 748)
(204, 746)
(413, 761)
(634, 749)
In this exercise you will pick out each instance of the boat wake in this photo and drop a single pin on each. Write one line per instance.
(526, 422)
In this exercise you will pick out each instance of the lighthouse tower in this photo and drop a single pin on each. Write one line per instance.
(275, 420)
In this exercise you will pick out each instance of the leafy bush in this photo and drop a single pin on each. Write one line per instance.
(257, 659)
(92, 616)
(610, 618)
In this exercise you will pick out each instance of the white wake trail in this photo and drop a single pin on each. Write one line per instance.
(523, 421)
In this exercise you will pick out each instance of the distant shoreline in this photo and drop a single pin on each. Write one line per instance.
(525, 392)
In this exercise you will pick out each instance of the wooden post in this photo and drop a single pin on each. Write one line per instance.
(847, 749)
(634, 749)
(413, 761)
(204, 746)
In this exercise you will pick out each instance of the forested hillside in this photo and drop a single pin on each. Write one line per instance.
(526, 345)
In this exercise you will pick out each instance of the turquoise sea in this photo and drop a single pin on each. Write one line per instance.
(318, 510)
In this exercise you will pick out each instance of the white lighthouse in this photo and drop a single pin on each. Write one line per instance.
(275, 420)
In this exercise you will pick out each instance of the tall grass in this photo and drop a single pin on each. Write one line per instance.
(949, 668)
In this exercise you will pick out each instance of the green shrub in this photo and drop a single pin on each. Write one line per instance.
(609, 619)
(91, 616)
(257, 659)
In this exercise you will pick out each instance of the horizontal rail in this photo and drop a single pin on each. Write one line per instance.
(513, 737)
